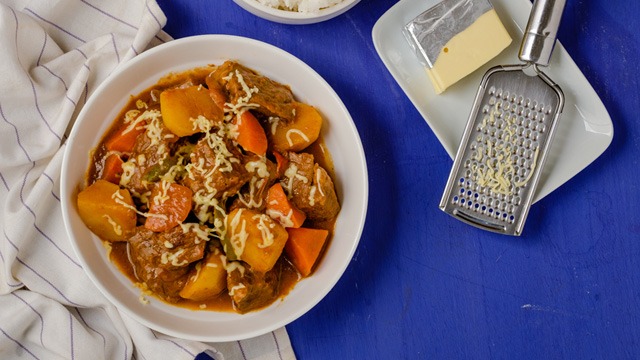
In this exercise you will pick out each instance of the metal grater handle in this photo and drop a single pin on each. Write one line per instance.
(542, 29)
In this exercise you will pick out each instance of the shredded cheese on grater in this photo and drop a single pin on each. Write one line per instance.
(499, 168)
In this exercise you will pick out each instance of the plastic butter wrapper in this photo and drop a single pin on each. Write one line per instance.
(456, 37)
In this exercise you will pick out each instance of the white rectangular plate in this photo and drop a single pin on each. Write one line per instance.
(584, 130)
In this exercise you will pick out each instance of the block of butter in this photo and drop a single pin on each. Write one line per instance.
(456, 37)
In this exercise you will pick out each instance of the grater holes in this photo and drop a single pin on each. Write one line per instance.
(522, 172)
(542, 128)
(535, 136)
(529, 154)
(535, 116)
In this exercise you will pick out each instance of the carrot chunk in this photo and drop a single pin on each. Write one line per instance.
(124, 139)
(281, 163)
(112, 170)
(304, 246)
(169, 206)
(281, 209)
(251, 135)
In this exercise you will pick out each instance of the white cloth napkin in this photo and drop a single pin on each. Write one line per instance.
(54, 54)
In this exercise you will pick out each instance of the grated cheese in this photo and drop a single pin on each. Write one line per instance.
(233, 290)
(231, 266)
(205, 201)
(266, 234)
(259, 167)
(318, 173)
(238, 236)
(290, 173)
(162, 196)
(497, 171)
(292, 132)
(119, 199)
(128, 170)
(108, 248)
(242, 104)
(247, 90)
(274, 122)
(117, 229)
(284, 220)
(201, 234)
(169, 257)
(141, 104)
(312, 193)
(202, 124)
(197, 274)
(254, 184)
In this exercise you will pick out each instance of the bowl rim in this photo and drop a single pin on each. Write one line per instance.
(69, 188)
(295, 17)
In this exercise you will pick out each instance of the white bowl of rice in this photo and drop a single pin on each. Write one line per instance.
(297, 12)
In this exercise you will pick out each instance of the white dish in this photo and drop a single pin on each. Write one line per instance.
(294, 17)
(341, 138)
(584, 131)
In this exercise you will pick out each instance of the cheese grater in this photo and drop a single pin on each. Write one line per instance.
(508, 134)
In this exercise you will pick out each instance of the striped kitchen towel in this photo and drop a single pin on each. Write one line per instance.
(54, 54)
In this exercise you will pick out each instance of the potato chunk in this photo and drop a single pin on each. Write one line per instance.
(180, 108)
(207, 279)
(254, 238)
(299, 133)
(107, 211)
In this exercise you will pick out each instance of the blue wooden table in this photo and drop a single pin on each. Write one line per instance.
(424, 285)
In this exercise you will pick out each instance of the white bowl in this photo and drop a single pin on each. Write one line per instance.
(341, 138)
(294, 17)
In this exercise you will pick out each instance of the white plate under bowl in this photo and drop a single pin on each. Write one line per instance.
(295, 17)
(584, 130)
(341, 138)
